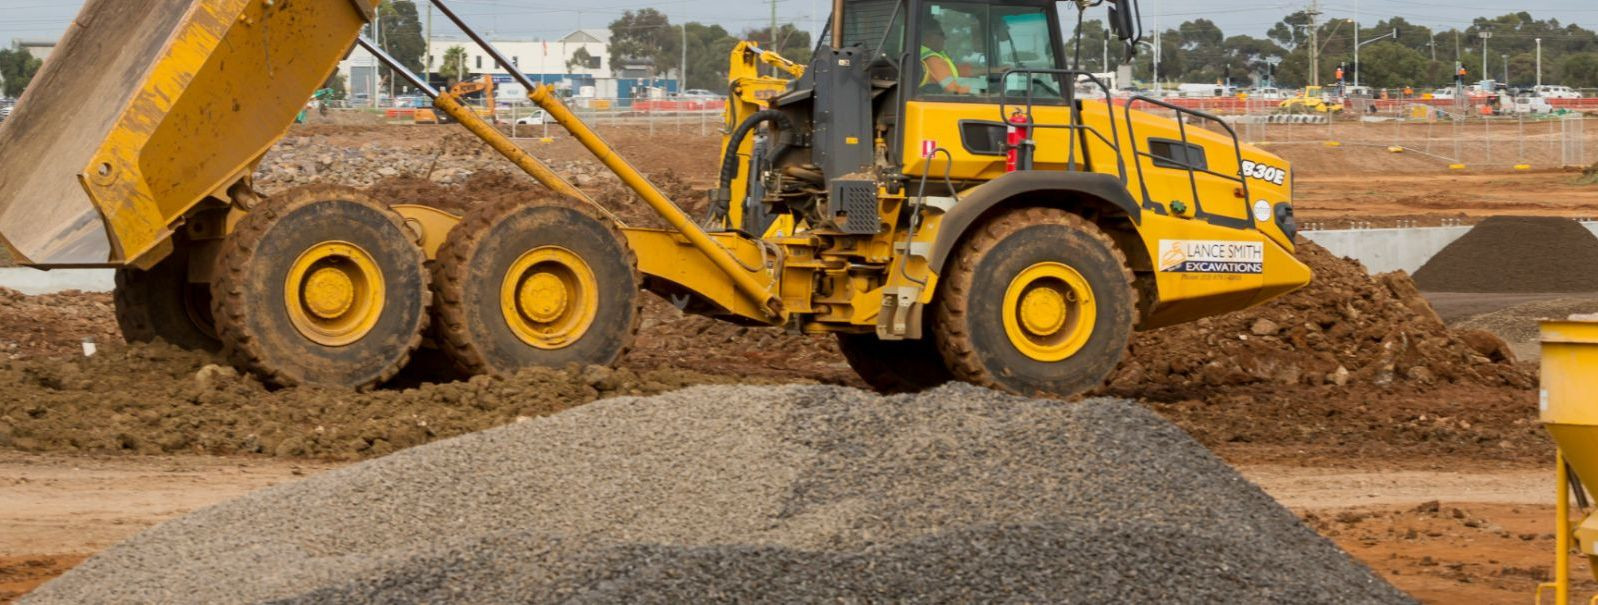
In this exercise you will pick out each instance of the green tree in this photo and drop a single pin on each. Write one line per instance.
(1093, 36)
(708, 49)
(1389, 64)
(17, 67)
(402, 35)
(1579, 70)
(581, 60)
(453, 65)
(648, 35)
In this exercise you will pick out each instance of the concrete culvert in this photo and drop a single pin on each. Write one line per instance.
(787, 494)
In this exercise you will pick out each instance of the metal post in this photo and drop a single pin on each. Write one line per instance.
(1355, 21)
(1484, 36)
(1539, 61)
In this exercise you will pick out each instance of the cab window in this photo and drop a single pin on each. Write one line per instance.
(966, 48)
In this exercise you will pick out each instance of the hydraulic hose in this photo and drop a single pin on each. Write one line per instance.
(720, 205)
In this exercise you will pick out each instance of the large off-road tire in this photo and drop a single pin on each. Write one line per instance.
(160, 303)
(321, 285)
(547, 282)
(1035, 301)
(894, 366)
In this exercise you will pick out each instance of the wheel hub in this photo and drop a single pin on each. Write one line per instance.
(543, 297)
(334, 293)
(1049, 311)
(329, 292)
(1043, 310)
(549, 297)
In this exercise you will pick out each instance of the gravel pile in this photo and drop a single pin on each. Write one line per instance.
(1515, 254)
(736, 493)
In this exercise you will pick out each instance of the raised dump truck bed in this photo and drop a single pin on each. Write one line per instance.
(146, 108)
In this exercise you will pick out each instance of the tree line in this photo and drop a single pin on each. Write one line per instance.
(1198, 51)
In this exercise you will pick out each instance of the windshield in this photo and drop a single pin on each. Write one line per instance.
(966, 48)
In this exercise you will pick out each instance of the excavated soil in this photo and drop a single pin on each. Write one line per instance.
(156, 398)
(54, 324)
(1351, 365)
(736, 494)
(1516, 254)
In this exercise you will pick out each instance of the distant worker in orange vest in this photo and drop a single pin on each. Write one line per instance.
(937, 69)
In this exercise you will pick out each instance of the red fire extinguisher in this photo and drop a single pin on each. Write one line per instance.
(1018, 143)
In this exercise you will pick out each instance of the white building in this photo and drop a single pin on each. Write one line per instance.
(533, 57)
(547, 61)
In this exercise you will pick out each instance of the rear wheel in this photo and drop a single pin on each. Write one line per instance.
(543, 283)
(894, 366)
(1035, 301)
(161, 303)
(321, 285)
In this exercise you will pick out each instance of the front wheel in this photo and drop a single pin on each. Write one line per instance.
(1035, 301)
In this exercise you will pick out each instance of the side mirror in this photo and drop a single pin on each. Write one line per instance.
(1126, 23)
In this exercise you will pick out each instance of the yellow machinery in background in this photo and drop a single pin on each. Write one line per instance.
(928, 188)
(1568, 407)
(484, 85)
(1314, 99)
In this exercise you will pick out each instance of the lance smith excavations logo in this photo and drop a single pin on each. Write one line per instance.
(1209, 256)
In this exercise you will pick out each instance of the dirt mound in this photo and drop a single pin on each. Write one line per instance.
(159, 399)
(1344, 328)
(731, 494)
(1519, 323)
(1516, 254)
(54, 324)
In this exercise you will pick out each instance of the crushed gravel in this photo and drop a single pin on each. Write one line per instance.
(740, 493)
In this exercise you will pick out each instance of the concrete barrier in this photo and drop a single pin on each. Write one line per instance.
(1383, 250)
(34, 281)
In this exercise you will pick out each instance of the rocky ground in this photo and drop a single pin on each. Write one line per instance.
(1351, 370)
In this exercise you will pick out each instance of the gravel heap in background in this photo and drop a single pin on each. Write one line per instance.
(1346, 327)
(1516, 254)
(787, 494)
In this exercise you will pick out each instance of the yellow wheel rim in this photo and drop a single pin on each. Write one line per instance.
(334, 293)
(549, 297)
(1049, 312)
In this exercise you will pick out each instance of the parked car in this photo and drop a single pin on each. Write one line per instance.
(1548, 91)
(5, 111)
(699, 93)
(1443, 93)
(534, 119)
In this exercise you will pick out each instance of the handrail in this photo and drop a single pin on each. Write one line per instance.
(1192, 176)
(1067, 94)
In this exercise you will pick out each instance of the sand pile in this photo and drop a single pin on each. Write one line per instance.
(1516, 254)
(1346, 327)
(790, 494)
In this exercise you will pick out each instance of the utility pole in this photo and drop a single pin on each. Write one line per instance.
(1104, 62)
(682, 84)
(377, 66)
(1157, 46)
(1484, 36)
(1314, 44)
(1505, 59)
(1355, 21)
(1539, 61)
(427, 47)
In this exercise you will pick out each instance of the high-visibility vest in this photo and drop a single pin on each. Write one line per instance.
(926, 74)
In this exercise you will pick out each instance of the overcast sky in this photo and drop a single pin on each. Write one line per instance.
(549, 19)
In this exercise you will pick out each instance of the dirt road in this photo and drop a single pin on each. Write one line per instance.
(1465, 535)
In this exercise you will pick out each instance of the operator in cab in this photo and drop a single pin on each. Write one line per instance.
(939, 74)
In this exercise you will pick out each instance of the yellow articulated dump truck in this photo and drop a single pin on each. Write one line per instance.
(928, 189)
